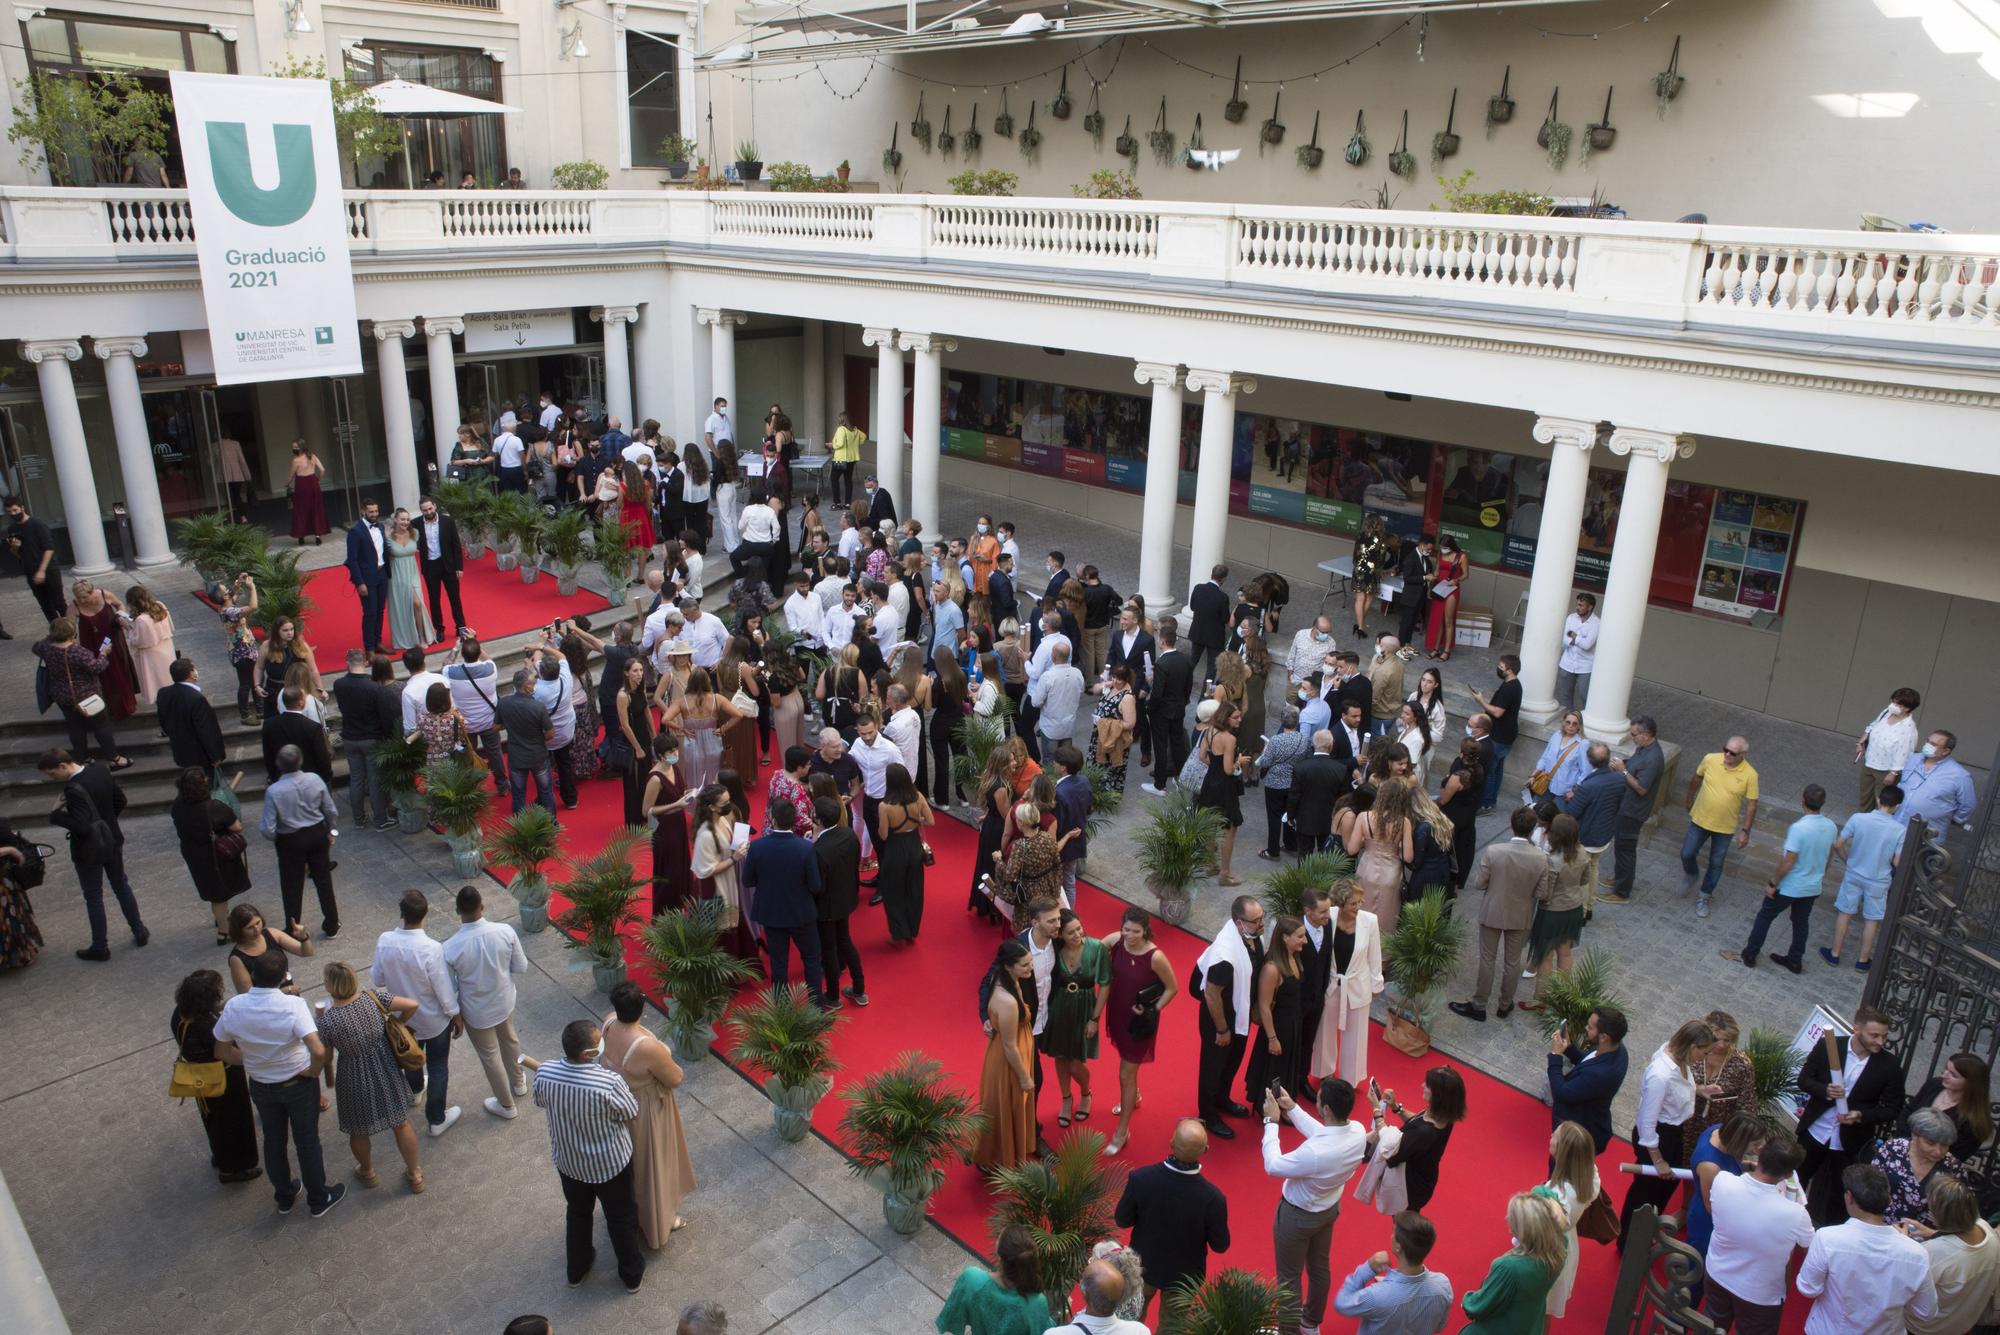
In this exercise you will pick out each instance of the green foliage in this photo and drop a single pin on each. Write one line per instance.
(564, 539)
(746, 151)
(1175, 840)
(524, 841)
(797, 178)
(363, 131)
(87, 129)
(585, 175)
(603, 894)
(470, 503)
(1774, 1068)
(902, 1124)
(995, 182)
(400, 762)
(614, 552)
(1569, 996)
(685, 948)
(281, 590)
(456, 796)
(1460, 197)
(1065, 1202)
(787, 1036)
(1104, 800)
(974, 738)
(218, 549)
(1235, 1302)
(1423, 951)
(678, 148)
(1285, 888)
(1107, 184)
(518, 519)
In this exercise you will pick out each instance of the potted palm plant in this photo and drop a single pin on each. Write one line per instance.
(614, 555)
(1065, 1202)
(1235, 1302)
(1419, 957)
(1569, 996)
(515, 516)
(785, 1034)
(900, 1128)
(400, 762)
(281, 591)
(521, 845)
(456, 796)
(206, 544)
(565, 541)
(698, 976)
(1175, 840)
(1774, 1071)
(973, 740)
(470, 503)
(1285, 888)
(603, 893)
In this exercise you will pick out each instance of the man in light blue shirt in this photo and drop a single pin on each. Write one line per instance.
(1870, 842)
(1391, 1292)
(1314, 711)
(1936, 787)
(947, 619)
(1795, 888)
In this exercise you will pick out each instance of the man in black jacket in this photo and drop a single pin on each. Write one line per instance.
(1349, 734)
(1058, 568)
(1131, 647)
(1584, 1075)
(1100, 609)
(1316, 963)
(1176, 1215)
(441, 558)
(1173, 682)
(881, 505)
(88, 809)
(363, 723)
(781, 877)
(1413, 599)
(1869, 1086)
(1000, 596)
(292, 726)
(1355, 689)
(1208, 625)
(188, 721)
(1318, 781)
(839, 852)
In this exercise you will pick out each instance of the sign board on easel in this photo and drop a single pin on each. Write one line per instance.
(1819, 1022)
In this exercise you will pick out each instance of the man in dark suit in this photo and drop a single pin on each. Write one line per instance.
(1176, 1215)
(781, 881)
(1512, 876)
(1418, 568)
(1584, 1075)
(1318, 781)
(1316, 964)
(1870, 1084)
(1355, 688)
(838, 852)
(1479, 727)
(368, 572)
(1350, 734)
(35, 548)
(188, 721)
(881, 505)
(292, 726)
(88, 809)
(1000, 596)
(1131, 647)
(1059, 575)
(1208, 626)
(441, 558)
(1173, 682)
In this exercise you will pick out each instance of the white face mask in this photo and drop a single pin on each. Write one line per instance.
(1930, 751)
(982, 528)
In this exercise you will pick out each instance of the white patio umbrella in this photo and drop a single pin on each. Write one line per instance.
(400, 97)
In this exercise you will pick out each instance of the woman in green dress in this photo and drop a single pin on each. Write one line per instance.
(1006, 1302)
(1514, 1298)
(1078, 988)
(409, 620)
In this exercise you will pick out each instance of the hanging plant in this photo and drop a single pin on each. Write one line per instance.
(946, 139)
(969, 141)
(1060, 107)
(1093, 119)
(1554, 136)
(1444, 143)
(1127, 144)
(1003, 124)
(1310, 154)
(1274, 129)
(1403, 162)
(1194, 145)
(1031, 138)
(1235, 109)
(892, 159)
(1357, 147)
(1161, 138)
(1667, 84)
(1598, 137)
(920, 128)
(1500, 107)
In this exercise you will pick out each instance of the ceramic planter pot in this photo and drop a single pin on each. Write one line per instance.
(747, 170)
(607, 976)
(1174, 904)
(677, 170)
(791, 1108)
(534, 918)
(905, 1214)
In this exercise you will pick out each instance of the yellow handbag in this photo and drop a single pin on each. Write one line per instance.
(196, 1080)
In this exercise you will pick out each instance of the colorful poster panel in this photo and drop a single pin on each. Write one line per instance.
(1748, 550)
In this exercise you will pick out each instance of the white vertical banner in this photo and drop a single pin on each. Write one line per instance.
(263, 169)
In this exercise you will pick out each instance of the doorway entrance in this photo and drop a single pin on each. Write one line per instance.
(186, 426)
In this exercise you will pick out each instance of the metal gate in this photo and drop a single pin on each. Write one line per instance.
(1656, 1279)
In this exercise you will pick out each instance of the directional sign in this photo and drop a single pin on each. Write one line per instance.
(507, 331)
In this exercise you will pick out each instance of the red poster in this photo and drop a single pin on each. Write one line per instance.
(1083, 466)
(1683, 532)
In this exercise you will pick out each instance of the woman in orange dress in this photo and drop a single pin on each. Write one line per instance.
(1007, 1079)
(1441, 627)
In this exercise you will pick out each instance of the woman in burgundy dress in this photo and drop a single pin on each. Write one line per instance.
(99, 618)
(1142, 983)
(666, 800)
(308, 502)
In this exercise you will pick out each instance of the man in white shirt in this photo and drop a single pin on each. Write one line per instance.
(1864, 1275)
(409, 964)
(1314, 1175)
(888, 621)
(717, 429)
(848, 547)
(510, 461)
(905, 727)
(1309, 649)
(705, 634)
(1103, 1286)
(1887, 745)
(838, 628)
(662, 623)
(474, 680)
(550, 413)
(1757, 1224)
(273, 1035)
(1579, 655)
(416, 691)
(1057, 696)
(804, 616)
(555, 689)
(482, 958)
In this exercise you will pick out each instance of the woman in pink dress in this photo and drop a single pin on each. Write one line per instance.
(101, 628)
(151, 635)
(308, 504)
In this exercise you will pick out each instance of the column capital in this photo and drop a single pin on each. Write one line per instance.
(878, 338)
(1646, 443)
(1219, 382)
(1572, 431)
(615, 314)
(396, 329)
(1158, 373)
(49, 349)
(909, 342)
(125, 345)
(710, 315)
(444, 324)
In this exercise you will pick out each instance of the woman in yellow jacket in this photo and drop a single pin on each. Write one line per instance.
(846, 453)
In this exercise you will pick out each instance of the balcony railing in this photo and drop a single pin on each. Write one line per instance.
(1937, 288)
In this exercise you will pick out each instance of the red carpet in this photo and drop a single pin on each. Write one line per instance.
(496, 602)
(925, 998)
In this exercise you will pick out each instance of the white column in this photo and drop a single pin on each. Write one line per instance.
(438, 361)
(926, 426)
(886, 422)
(835, 387)
(1163, 472)
(652, 388)
(618, 359)
(1218, 391)
(1649, 455)
(135, 450)
(813, 424)
(1571, 440)
(722, 365)
(401, 439)
(79, 488)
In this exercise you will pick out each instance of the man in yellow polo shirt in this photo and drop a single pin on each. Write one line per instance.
(1722, 801)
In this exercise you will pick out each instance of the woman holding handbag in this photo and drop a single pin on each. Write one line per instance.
(1572, 1186)
(1142, 983)
(72, 675)
(212, 846)
(227, 1118)
(100, 617)
(362, 1071)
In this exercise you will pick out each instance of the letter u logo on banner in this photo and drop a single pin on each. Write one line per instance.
(298, 184)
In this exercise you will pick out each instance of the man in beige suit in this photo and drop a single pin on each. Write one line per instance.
(1513, 877)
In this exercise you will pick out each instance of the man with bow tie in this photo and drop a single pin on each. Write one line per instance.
(368, 571)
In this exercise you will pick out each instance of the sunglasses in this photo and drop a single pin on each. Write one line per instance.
(1733, 755)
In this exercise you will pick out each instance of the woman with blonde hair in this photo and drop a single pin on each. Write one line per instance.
(1725, 1084)
(100, 625)
(1513, 1299)
(1385, 837)
(1666, 1102)
(151, 635)
(1573, 1184)
(702, 717)
(1034, 860)
(361, 1069)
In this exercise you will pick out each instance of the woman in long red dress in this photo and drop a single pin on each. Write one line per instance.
(636, 510)
(1441, 623)
(308, 502)
(98, 620)
(666, 801)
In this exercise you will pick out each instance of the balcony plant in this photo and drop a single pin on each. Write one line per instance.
(1161, 138)
(1419, 958)
(1667, 84)
(1402, 162)
(994, 182)
(1065, 1202)
(400, 762)
(457, 797)
(892, 157)
(678, 150)
(1554, 136)
(1003, 124)
(1059, 107)
(1459, 197)
(1093, 118)
(603, 894)
(900, 1128)
(1273, 132)
(1444, 143)
(1598, 137)
(920, 125)
(843, 171)
(1500, 107)
(566, 544)
(1284, 889)
(1310, 154)
(1031, 138)
(1235, 109)
(748, 165)
(614, 555)
(1194, 146)
(363, 131)
(584, 175)
(1356, 151)
(946, 140)
(522, 844)
(969, 141)
(1235, 1302)
(698, 976)
(785, 1034)
(1175, 840)
(1127, 144)
(1107, 184)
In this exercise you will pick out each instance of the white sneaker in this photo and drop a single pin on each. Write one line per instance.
(496, 1107)
(1151, 791)
(417, 1096)
(520, 1084)
(450, 1120)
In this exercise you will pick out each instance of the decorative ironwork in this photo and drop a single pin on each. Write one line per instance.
(1656, 1281)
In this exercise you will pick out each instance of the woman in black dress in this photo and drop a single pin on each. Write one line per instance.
(250, 938)
(1222, 786)
(228, 1119)
(1459, 801)
(20, 937)
(633, 727)
(1278, 1049)
(996, 799)
(900, 818)
(201, 821)
(1426, 1132)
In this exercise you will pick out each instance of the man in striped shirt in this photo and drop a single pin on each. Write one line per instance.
(590, 1110)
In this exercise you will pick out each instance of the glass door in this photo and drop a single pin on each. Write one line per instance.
(343, 472)
(27, 468)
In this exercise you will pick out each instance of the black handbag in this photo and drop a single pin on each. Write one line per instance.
(1145, 1020)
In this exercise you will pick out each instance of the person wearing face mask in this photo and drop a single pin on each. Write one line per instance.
(983, 548)
(881, 505)
(1309, 649)
(1315, 710)
(590, 1112)
(1887, 744)
(1938, 788)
